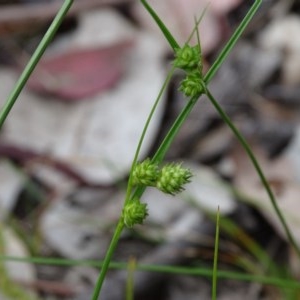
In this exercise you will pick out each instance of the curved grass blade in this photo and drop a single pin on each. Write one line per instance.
(35, 58)
(194, 271)
(107, 259)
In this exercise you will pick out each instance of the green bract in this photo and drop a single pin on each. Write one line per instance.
(134, 212)
(172, 178)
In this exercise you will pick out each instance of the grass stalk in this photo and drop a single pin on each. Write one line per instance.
(107, 259)
(35, 58)
(193, 271)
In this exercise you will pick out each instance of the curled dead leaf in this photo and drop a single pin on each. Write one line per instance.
(81, 73)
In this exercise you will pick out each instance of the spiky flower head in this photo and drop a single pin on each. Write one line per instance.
(172, 178)
(145, 173)
(188, 58)
(192, 85)
(134, 212)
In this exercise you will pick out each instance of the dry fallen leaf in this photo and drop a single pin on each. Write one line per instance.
(80, 73)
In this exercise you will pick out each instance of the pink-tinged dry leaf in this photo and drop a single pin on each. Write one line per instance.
(178, 15)
(79, 74)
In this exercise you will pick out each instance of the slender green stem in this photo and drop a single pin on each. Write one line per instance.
(107, 259)
(230, 44)
(216, 250)
(193, 271)
(258, 169)
(166, 143)
(34, 60)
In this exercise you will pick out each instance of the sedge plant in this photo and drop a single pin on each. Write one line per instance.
(168, 178)
(188, 58)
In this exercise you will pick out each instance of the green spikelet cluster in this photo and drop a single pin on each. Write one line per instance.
(192, 85)
(145, 173)
(134, 212)
(172, 178)
(169, 179)
(187, 57)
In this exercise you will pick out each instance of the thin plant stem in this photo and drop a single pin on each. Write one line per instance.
(35, 58)
(215, 265)
(285, 283)
(107, 259)
(258, 169)
(193, 271)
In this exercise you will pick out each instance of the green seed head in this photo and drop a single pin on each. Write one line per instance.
(188, 58)
(134, 212)
(192, 85)
(145, 173)
(172, 178)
